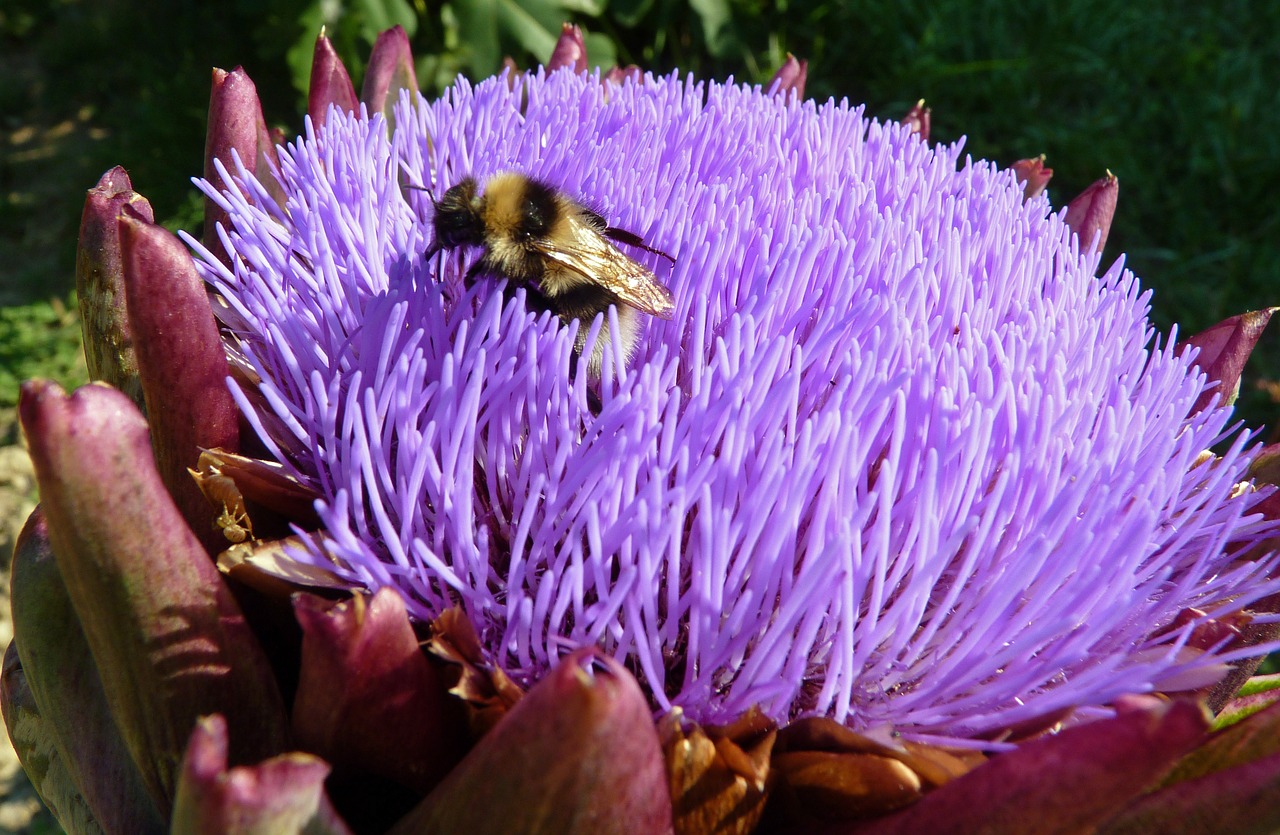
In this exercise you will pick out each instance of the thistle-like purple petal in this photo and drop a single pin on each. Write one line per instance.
(181, 363)
(617, 75)
(900, 457)
(166, 635)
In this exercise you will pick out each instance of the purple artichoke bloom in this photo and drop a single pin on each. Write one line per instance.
(901, 457)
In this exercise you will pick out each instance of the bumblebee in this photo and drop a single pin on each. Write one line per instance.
(540, 238)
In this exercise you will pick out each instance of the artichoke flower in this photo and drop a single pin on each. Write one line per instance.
(905, 521)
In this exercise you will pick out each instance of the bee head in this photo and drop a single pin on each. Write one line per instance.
(457, 219)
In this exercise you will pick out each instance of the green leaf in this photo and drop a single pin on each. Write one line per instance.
(41, 339)
(600, 51)
(629, 13)
(533, 25)
(381, 15)
(717, 25)
(1260, 684)
(478, 26)
(588, 8)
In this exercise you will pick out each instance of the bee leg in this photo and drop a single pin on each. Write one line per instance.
(594, 403)
(534, 301)
(436, 252)
(537, 303)
(472, 271)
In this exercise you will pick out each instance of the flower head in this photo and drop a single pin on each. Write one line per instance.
(900, 457)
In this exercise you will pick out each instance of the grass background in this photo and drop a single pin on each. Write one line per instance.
(1179, 100)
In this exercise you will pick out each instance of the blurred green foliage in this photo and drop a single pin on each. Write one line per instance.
(40, 339)
(1176, 99)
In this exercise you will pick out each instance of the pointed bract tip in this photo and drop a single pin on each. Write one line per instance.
(368, 697)
(330, 83)
(390, 70)
(919, 118)
(1090, 214)
(790, 78)
(235, 124)
(282, 794)
(570, 50)
(1033, 175)
(1224, 349)
(108, 338)
(579, 753)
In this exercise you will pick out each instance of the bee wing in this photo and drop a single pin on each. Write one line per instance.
(587, 252)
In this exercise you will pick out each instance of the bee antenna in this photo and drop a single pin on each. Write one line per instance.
(632, 239)
(429, 192)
